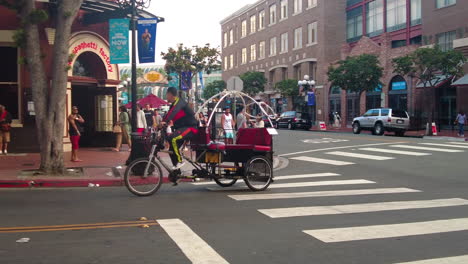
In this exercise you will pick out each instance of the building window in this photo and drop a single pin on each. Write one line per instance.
(298, 38)
(253, 52)
(297, 6)
(284, 9)
(375, 18)
(272, 14)
(231, 64)
(445, 40)
(231, 37)
(354, 24)
(9, 85)
(244, 56)
(284, 43)
(398, 43)
(261, 50)
(312, 33)
(253, 24)
(261, 20)
(226, 62)
(415, 12)
(311, 3)
(225, 39)
(273, 46)
(396, 15)
(352, 2)
(444, 3)
(244, 29)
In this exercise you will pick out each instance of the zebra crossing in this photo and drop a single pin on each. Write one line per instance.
(384, 153)
(367, 230)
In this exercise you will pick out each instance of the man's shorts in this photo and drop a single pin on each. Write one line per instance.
(75, 140)
(229, 134)
(4, 137)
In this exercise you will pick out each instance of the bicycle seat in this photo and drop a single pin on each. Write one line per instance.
(216, 145)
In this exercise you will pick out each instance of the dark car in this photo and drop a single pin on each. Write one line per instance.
(293, 120)
(267, 122)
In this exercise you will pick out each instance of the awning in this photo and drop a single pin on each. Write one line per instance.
(436, 82)
(463, 81)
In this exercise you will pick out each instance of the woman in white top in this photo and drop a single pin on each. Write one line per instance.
(228, 125)
(260, 123)
(141, 120)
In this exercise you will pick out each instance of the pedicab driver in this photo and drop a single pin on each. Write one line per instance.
(185, 125)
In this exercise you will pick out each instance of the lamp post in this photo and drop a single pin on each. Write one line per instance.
(305, 86)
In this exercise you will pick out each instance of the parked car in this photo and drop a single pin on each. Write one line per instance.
(380, 120)
(293, 120)
(267, 122)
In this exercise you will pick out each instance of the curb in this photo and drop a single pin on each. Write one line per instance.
(278, 163)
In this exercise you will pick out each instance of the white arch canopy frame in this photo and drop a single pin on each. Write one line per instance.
(228, 94)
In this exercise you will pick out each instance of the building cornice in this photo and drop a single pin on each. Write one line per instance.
(242, 11)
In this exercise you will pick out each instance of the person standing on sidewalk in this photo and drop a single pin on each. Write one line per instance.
(149, 115)
(75, 128)
(157, 118)
(125, 125)
(5, 126)
(141, 120)
(461, 121)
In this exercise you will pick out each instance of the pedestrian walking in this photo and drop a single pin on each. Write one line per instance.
(461, 121)
(337, 119)
(5, 127)
(141, 120)
(75, 129)
(125, 127)
(228, 124)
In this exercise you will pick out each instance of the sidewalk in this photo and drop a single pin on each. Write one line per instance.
(100, 166)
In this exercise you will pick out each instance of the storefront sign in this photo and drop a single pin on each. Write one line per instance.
(398, 86)
(154, 77)
(147, 40)
(94, 47)
(119, 43)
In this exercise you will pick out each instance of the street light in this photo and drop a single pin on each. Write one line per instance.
(306, 86)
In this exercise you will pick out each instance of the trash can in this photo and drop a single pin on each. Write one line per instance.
(141, 146)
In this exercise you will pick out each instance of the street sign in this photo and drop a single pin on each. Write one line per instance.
(235, 84)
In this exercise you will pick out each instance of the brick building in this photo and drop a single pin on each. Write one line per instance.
(285, 39)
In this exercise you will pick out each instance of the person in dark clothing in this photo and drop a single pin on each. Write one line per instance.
(149, 115)
(184, 125)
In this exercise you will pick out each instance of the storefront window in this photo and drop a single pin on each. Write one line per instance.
(398, 94)
(9, 96)
(374, 98)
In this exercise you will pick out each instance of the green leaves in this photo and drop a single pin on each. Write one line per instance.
(357, 74)
(213, 88)
(288, 87)
(254, 82)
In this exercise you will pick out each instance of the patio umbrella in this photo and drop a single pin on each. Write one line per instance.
(152, 100)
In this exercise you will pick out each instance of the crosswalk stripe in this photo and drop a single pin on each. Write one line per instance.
(194, 247)
(272, 196)
(288, 177)
(426, 148)
(449, 260)
(445, 145)
(323, 161)
(360, 208)
(346, 234)
(300, 184)
(394, 151)
(359, 156)
(458, 143)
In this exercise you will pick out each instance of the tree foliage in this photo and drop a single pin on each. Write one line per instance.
(254, 82)
(288, 87)
(213, 88)
(357, 74)
(426, 64)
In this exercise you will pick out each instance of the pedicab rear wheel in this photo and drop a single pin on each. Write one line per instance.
(258, 173)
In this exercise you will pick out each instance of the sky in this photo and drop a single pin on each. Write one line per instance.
(191, 22)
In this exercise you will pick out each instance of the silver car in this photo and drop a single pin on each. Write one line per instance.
(380, 120)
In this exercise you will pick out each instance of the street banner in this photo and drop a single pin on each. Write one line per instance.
(174, 80)
(186, 81)
(119, 41)
(147, 39)
(310, 98)
(200, 76)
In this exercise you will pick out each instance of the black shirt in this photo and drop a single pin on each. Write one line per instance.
(149, 117)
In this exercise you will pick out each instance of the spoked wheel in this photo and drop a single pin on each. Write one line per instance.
(142, 177)
(223, 182)
(258, 173)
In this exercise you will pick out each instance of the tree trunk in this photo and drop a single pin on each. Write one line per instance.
(50, 102)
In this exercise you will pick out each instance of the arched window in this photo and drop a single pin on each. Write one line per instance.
(398, 93)
(88, 64)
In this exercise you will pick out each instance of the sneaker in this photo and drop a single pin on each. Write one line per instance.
(178, 166)
(5, 152)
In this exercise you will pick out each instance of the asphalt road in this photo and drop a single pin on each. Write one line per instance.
(363, 199)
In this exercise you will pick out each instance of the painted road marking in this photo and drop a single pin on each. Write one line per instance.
(360, 208)
(300, 184)
(449, 260)
(347, 234)
(458, 143)
(428, 149)
(193, 246)
(288, 177)
(334, 148)
(359, 156)
(323, 161)
(29, 229)
(445, 145)
(394, 151)
(272, 196)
